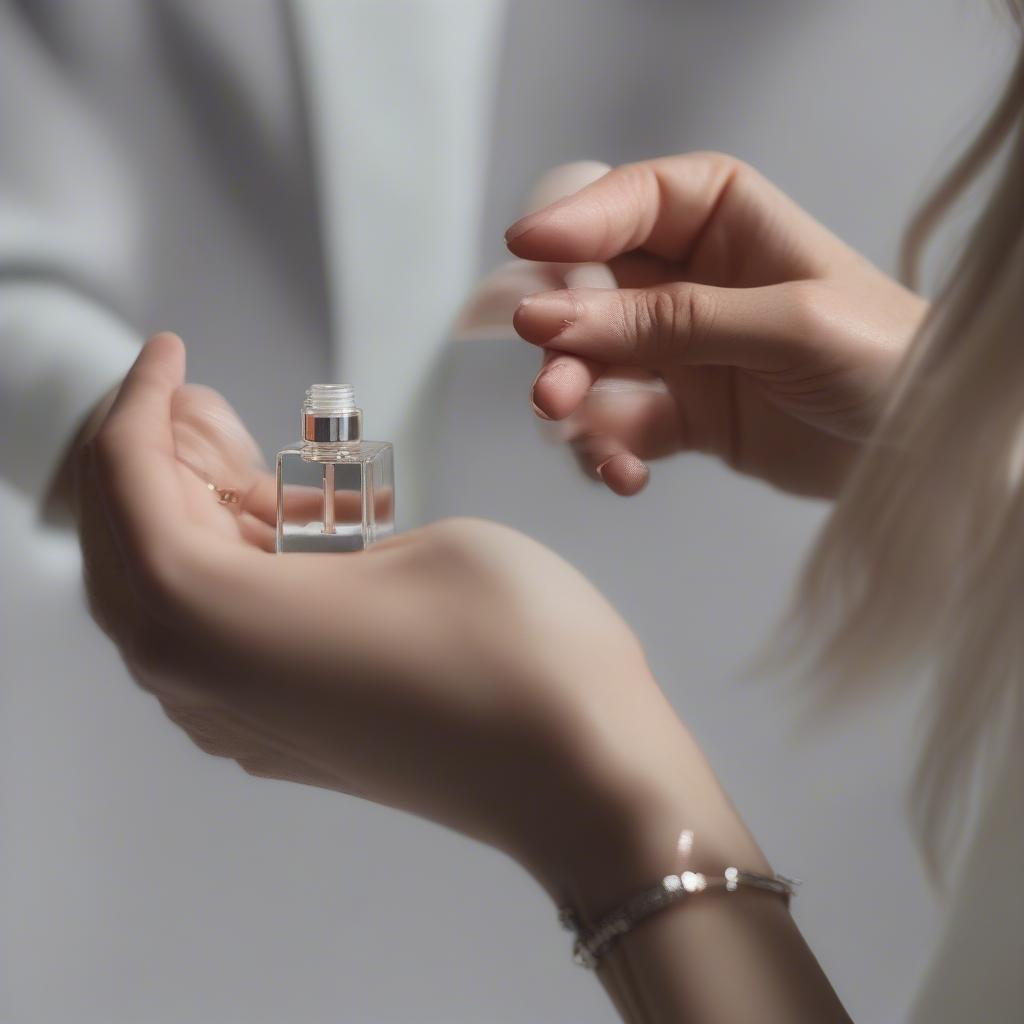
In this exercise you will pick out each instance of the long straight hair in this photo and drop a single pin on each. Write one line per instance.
(921, 565)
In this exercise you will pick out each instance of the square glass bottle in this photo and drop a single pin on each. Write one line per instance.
(335, 491)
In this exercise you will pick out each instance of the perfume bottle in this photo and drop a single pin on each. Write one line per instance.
(335, 491)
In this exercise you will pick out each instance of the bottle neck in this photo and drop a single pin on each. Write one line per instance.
(322, 451)
(333, 427)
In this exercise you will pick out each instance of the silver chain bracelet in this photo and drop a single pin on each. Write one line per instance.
(593, 943)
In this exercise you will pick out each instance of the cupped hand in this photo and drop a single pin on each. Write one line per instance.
(461, 671)
(751, 331)
(210, 456)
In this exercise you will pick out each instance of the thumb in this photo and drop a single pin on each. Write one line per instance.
(134, 449)
(680, 323)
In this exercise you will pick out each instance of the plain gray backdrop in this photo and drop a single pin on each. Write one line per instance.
(142, 881)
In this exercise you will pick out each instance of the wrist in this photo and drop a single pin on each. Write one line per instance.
(657, 810)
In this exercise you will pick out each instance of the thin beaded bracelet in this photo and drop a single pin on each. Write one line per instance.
(593, 943)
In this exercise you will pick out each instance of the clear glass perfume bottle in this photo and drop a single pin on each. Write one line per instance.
(335, 491)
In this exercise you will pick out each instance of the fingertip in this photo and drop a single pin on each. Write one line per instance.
(604, 457)
(548, 234)
(624, 474)
(560, 387)
(161, 360)
(516, 236)
(552, 191)
(165, 338)
(168, 345)
(514, 231)
(521, 319)
(540, 319)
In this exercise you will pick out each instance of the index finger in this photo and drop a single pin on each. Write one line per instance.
(668, 207)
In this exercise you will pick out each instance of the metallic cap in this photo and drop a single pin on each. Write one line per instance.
(329, 414)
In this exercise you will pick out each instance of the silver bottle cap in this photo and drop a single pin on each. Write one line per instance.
(329, 414)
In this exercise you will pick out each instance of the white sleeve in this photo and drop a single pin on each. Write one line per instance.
(59, 353)
(70, 216)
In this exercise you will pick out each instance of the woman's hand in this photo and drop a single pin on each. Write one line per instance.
(461, 672)
(776, 342)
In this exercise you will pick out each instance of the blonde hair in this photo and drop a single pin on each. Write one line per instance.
(921, 564)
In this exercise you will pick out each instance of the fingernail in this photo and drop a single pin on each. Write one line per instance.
(521, 226)
(542, 318)
(538, 217)
(533, 390)
(631, 478)
(530, 221)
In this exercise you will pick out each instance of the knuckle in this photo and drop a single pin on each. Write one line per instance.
(698, 308)
(723, 162)
(634, 320)
(205, 739)
(257, 767)
(724, 167)
(207, 746)
(666, 321)
(144, 650)
(652, 314)
(663, 313)
(629, 188)
(808, 306)
(634, 179)
(634, 175)
(204, 731)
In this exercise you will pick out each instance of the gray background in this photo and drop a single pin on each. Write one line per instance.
(144, 882)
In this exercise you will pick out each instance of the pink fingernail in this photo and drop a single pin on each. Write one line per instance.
(542, 318)
(520, 227)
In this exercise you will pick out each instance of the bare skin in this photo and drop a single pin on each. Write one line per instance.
(455, 657)
(775, 341)
(460, 672)
(464, 673)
